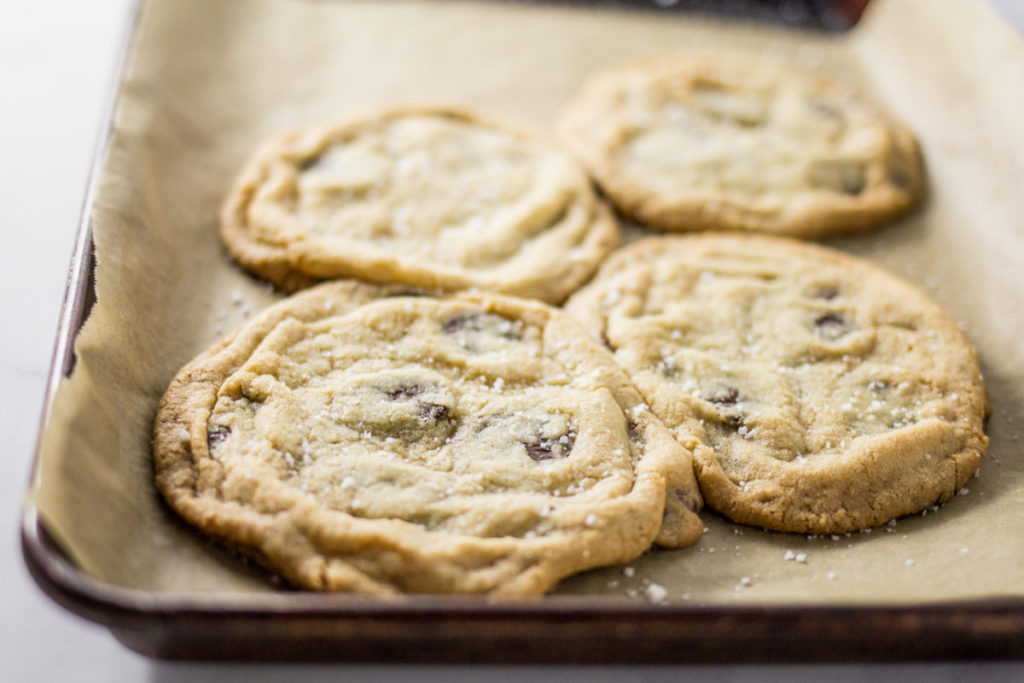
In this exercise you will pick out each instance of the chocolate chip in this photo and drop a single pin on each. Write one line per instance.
(216, 434)
(853, 185)
(480, 322)
(605, 341)
(403, 393)
(840, 175)
(542, 450)
(733, 419)
(728, 396)
(461, 321)
(455, 323)
(432, 412)
(546, 448)
(878, 385)
(900, 178)
(828, 318)
(828, 292)
(634, 432)
(831, 326)
(404, 293)
(901, 164)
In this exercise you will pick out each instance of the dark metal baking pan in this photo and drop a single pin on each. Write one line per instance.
(289, 625)
(569, 629)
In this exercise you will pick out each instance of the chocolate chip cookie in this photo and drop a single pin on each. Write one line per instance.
(826, 395)
(354, 438)
(691, 142)
(425, 197)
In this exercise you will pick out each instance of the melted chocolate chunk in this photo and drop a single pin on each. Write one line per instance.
(828, 318)
(733, 419)
(831, 326)
(480, 322)
(405, 392)
(431, 411)
(633, 432)
(853, 185)
(458, 322)
(216, 434)
(900, 178)
(828, 292)
(900, 170)
(544, 448)
(839, 175)
(311, 162)
(727, 397)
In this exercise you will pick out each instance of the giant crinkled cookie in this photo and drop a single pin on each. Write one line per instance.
(826, 395)
(355, 438)
(433, 198)
(692, 142)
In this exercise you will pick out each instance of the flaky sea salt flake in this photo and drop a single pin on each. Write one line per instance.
(655, 593)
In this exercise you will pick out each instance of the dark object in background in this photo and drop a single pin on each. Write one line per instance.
(822, 15)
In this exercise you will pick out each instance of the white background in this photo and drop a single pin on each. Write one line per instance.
(56, 66)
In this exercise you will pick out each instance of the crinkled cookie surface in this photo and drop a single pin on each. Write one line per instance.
(693, 142)
(356, 438)
(434, 198)
(827, 395)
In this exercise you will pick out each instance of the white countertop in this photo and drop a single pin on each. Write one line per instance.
(56, 66)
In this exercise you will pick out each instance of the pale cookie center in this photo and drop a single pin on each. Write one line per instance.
(445, 190)
(765, 365)
(748, 143)
(371, 424)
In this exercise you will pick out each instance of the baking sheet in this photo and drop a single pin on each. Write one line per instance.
(187, 118)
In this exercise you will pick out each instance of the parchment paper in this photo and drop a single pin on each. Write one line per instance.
(207, 81)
